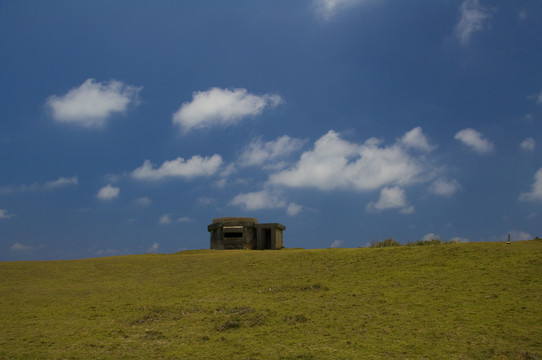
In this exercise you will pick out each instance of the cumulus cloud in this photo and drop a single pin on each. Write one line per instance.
(536, 189)
(4, 214)
(475, 140)
(195, 166)
(221, 107)
(391, 198)
(444, 187)
(259, 152)
(108, 192)
(335, 163)
(61, 182)
(326, 9)
(474, 18)
(92, 103)
(528, 145)
(265, 199)
(416, 139)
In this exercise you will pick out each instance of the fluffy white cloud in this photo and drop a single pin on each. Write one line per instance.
(108, 192)
(4, 214)
(293, 209)
(335, 163)
(391, 198)
(61, 182)
(195, 166)
(258, 152)
(326, 9)
(473, 18)
(92, 103)
(536, 189)
(475, 140)
(265, 199)
(528, 145)
(444, 187)
(430, 236)
(221, 107)
(416, 139)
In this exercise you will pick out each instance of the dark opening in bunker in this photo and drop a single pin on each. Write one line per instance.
(233, 234)
(267, 238)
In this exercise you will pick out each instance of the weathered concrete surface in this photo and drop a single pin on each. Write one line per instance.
(244, 233)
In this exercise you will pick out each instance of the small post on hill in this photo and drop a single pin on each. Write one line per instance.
(508, 242)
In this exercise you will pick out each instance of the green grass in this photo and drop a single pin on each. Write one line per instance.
(455, 301)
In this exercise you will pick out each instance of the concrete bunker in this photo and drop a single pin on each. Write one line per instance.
(228, 233)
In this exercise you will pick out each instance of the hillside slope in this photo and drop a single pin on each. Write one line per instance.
(459, 301)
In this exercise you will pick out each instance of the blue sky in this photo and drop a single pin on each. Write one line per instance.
(127, 126)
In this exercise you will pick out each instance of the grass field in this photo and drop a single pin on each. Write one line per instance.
(454, 301)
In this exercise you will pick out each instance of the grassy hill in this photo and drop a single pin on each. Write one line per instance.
(456, 301)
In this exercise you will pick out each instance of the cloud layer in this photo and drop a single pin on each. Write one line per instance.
(92, 103)
(221, 107)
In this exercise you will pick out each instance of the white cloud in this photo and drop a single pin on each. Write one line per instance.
(142, 201)
(259, 200)
(415, 139)
(293, 209)
(195, 166)
(184, 219)
(334, 163)
(153, 248)
(335, 244)
(222, 107)
(517, 235)
(523, 14)
(61, 182)
(536, 189)
(108, 192)
(444, 187)
(265, 199)
(528, 145)
(430, 236)
(258, 152)
(92, 103)
(473, 18)
(4, 214)
(20, 247)
(391, 198)
(475, 140)
(165, 219)
(326, 9)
